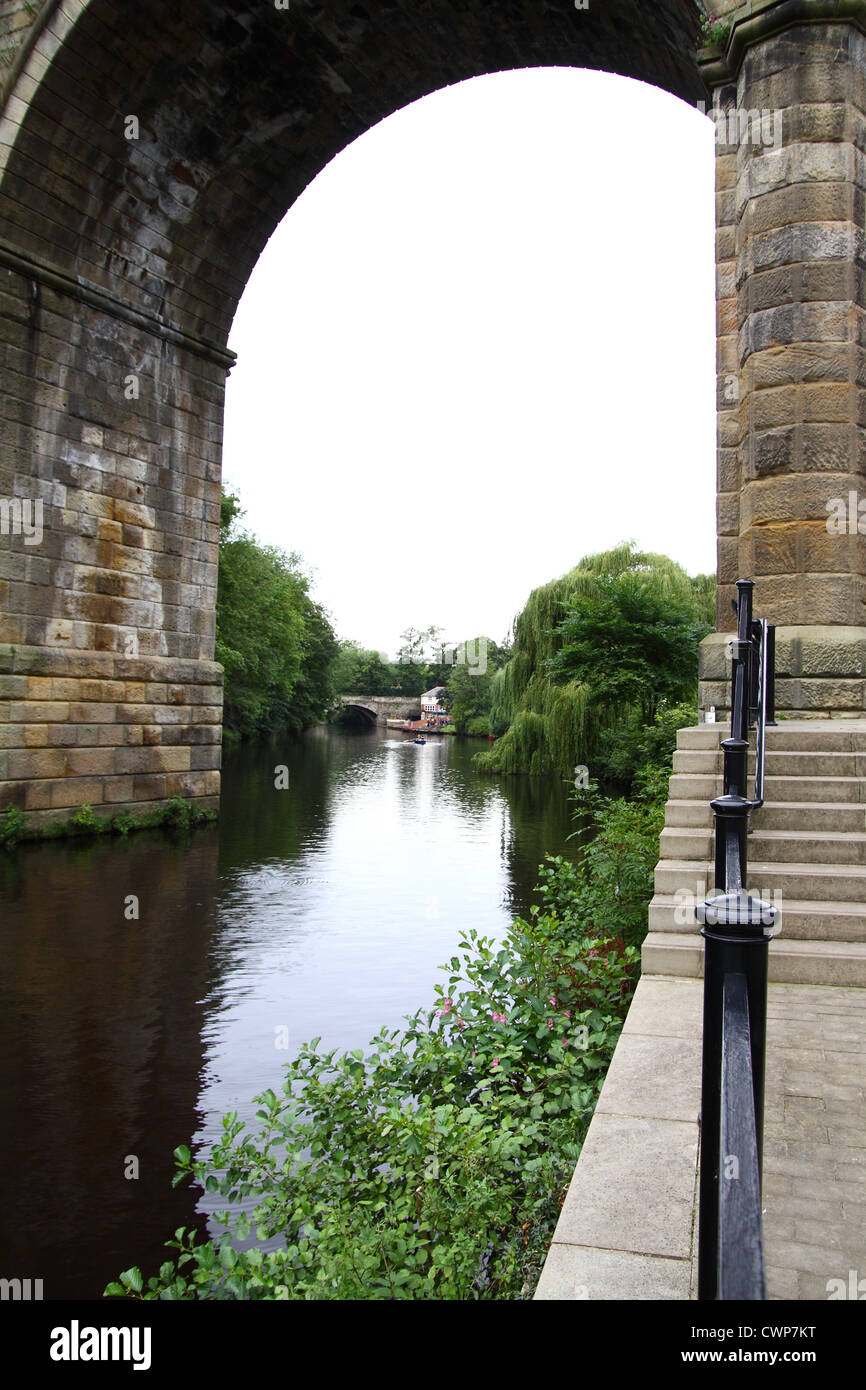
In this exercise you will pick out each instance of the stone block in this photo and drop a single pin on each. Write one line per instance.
(149, 788)
(118, 789)
(152, 759)
(35, 796)
(14, 687)
(37, 711)
(90, 762)
(34, 763)
(76, 791)
(91, 712)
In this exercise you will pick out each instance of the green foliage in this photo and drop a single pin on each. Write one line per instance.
(554, 700)
(467, 696)
(715, 30)
(478, 726)
(122, 823)
(434, 1166)
(632, 745)
(617, 864)
(359, 671)
(424, 662)
(13, 826)
(84, 818)
(275, 642)
(631, 642)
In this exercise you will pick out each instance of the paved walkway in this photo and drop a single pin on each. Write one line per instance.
(628, 1227)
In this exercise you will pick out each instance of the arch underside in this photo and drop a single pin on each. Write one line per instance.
(369, 716)
(240, 105)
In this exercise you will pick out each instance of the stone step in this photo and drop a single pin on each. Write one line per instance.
(848, 790)
(696, 814)
(791, 962)
(702, 736)
(800, 920)
(778, 764)
(790, 815)
(691, 786)
(818, 735)
(825, 847)
(807, 882)
(810, 815)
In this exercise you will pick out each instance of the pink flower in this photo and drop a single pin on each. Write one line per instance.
(568, 1013)
(553, 1000)
(550, 1023)
(447, 1005)
(460, 1024)
(496, 1061)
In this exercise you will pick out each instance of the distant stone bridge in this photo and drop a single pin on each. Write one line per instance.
(379, 708)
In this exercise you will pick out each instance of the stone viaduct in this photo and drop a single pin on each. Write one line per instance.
(379, 708)
(148, 151)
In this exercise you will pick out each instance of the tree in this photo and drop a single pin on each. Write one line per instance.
(551, 715)
(469, 681)
(631, 641)
(414, 659)
(275, 643)
(467, 695)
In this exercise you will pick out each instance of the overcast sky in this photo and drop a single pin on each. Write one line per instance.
(480, 346)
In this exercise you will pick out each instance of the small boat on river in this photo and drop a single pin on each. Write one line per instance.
(419, 740)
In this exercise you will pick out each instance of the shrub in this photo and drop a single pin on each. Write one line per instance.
(84, 819)
(13, 826)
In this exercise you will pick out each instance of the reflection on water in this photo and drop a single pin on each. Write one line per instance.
(320, 910)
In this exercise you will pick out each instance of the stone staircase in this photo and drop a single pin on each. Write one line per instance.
(807, 851)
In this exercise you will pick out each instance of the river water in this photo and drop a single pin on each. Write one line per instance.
(321, 908)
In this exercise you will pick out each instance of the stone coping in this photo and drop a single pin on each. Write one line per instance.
(627, 1228)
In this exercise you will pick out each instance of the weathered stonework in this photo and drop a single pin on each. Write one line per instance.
(791, 336)
(113, 731)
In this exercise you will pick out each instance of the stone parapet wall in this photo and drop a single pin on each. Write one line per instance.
(111, 731)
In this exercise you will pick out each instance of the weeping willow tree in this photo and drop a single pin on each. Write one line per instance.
(549, 725)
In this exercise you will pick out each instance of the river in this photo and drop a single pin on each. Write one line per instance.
(148, 986)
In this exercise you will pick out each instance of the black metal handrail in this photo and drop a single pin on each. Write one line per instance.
(736, 927)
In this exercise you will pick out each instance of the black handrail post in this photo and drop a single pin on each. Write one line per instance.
(741, 664)
(737, 935)
(737, 927)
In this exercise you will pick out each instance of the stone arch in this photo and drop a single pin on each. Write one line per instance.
(146, 155)
(370, 716)
(148, 151)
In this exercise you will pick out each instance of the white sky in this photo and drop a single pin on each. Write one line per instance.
(481, 345)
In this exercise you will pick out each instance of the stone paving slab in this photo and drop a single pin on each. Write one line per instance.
(628, 1227)
(815, 1157)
